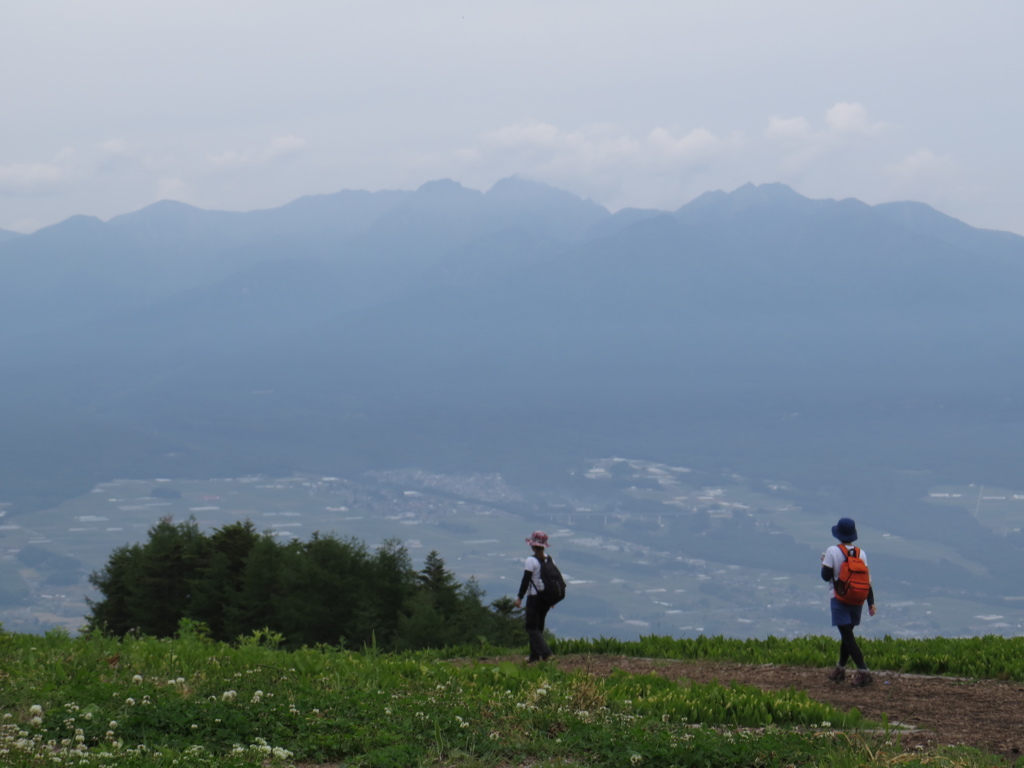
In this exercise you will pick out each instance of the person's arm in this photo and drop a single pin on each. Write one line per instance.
(524, 585)
(528, 574)
(871, 600)
(828, 566)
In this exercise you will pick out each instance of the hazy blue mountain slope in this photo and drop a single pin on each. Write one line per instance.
(660, 338)
(522, 329)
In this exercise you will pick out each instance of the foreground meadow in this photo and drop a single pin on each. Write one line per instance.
(188, 701)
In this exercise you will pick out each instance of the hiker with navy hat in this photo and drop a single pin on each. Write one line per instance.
(846, 604)
(536, 608)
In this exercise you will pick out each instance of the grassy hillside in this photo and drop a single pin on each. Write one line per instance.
(191, 702)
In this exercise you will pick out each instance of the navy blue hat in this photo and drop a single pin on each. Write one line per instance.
(845, 529)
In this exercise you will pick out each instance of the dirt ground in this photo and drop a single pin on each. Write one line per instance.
(936, 711)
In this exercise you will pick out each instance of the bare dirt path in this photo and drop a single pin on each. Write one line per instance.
(985, 714)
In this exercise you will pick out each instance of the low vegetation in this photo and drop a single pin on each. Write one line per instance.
(990, 657)
(188, 700)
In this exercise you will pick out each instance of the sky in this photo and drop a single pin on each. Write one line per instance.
(107, 106)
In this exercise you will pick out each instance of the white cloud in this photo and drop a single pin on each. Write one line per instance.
(114, 148)
(922, 165)
(845, 118)
(35, 178)
(29, 178)
(792, 128)
(280, 146)
(173, 189)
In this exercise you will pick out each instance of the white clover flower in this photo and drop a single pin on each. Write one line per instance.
(229, 695)
(180, 681)
(137, 679)
(36, 720)
(194, 727)
(636, 759)
(88, 715)
(281, 754)
(494, 735)
(130, 701)
(34, 710)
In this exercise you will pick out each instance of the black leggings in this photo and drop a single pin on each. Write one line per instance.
(848, 647)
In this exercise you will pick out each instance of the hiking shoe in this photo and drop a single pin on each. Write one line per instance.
(862, 678)
(837, 675)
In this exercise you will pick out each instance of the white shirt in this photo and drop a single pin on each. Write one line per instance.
(536, 585)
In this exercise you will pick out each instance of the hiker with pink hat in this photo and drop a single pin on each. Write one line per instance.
(532, 588)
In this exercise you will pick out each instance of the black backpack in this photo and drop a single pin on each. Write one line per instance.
(554, 584)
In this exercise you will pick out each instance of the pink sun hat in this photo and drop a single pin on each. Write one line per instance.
(538, 539)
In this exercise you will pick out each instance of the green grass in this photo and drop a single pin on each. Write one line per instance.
(989, 657)
(190, 702)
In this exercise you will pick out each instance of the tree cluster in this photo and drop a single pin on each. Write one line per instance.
(323, 591)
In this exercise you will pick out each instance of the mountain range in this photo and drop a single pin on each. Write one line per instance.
(512, 330)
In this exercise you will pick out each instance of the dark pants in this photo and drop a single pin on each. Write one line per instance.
(536, 612)
(845, 618)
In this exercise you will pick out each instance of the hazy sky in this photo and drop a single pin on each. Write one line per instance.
(107, 106)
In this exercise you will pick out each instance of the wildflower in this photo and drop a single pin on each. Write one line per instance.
(130, 701)
(636, 759)
(137, 679)
(36, 720)
(180, 681)
(88, 715)
(113, 724)
(35, 710)
(229, 695)
(195, 727)
(257, 696)
(494, 736)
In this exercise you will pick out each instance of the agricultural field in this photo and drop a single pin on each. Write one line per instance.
(647, 548)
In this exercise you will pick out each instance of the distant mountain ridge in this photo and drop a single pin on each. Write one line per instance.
(507, 328)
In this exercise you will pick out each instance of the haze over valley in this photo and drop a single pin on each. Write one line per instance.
(686, 400)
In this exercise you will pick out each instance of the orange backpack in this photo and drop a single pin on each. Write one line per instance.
(853, 582)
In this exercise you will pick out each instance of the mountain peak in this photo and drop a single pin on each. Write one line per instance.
(444, 189)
